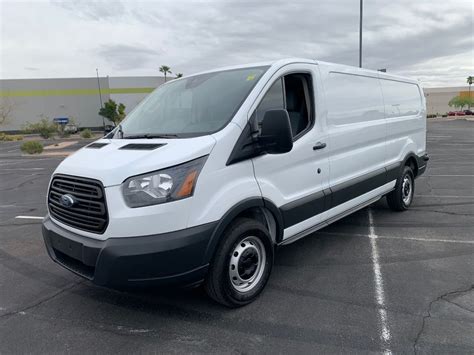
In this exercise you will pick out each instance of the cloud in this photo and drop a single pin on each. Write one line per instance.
(126, 57)
(134, 38)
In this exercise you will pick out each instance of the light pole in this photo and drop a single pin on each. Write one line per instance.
(360, 33)
(100, 97)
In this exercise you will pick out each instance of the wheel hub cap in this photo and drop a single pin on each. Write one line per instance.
(247, 264)
(406, 190)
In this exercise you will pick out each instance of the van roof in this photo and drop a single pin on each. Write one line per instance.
(282, 62)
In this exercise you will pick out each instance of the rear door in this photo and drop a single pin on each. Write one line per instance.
(295, 181)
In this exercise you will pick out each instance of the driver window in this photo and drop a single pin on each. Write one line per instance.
(272, 100)
(292, 93)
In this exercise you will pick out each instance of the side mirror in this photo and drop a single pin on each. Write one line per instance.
(276, 136)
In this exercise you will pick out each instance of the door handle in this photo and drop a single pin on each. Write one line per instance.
(319, 145)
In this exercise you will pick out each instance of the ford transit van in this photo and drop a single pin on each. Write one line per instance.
(209, 174)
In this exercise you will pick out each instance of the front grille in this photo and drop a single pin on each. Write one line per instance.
(89, 211)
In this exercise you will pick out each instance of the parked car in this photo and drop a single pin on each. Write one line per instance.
(70, 128)
(460, 113)
(452, 113)
(201, 189)
(468, 112)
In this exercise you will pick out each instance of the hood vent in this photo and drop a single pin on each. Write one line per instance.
(96, 145)
(143, 146)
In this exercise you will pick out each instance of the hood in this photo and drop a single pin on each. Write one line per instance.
(111, 161)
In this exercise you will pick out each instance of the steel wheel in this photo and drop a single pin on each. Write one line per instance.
(407, 189)
(247, 264)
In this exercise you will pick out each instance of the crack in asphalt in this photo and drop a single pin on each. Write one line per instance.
(40, 302)
(425, 317)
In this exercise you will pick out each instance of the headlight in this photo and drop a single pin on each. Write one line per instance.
(162, 186)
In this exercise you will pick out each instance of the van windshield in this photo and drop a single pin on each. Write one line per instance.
(189, 107)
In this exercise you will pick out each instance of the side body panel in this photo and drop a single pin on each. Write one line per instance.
(405, 112)
(357, 135)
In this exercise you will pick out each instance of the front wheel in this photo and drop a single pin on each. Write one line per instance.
(242, 264)
(401, 198)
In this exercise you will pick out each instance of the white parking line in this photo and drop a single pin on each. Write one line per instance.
(16, 169)
(425, 176)
(446, 196)
(28, 217)
(379, 290)
(418, 239)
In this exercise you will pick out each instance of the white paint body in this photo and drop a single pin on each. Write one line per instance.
(360, 138)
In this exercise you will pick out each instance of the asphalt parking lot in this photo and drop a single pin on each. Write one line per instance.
(374, 281)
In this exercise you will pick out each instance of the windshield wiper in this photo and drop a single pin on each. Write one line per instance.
(150, 136)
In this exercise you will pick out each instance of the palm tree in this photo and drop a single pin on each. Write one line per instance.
(470, 80)
(179, 75)
(165, 70)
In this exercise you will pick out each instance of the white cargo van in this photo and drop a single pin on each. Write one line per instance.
(212, 172)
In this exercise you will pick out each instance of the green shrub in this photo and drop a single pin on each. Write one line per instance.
(32, 147)
(86, 133)
(10, 138)
(45, 128)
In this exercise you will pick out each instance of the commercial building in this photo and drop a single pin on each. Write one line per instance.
(79, 99)
(437, 98)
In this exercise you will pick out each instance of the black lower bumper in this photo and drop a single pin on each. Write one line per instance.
(169, 258)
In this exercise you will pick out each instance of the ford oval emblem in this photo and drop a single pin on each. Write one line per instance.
(67, 200)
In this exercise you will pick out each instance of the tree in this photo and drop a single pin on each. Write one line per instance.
(179, 75)
(165, 70)
(460, 101)
(6, 109)
(470, 80)
(113, 112)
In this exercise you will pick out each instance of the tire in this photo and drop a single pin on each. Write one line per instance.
(401, 198)
(242, 264)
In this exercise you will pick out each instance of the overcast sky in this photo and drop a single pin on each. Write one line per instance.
(432, 40)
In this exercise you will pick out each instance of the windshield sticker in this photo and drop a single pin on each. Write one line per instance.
(250, 77)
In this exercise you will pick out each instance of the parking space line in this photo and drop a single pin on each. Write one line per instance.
(379, 290)
(446, 196)
(418, 239)
(16, 169)
(29, 217)
(425, 176)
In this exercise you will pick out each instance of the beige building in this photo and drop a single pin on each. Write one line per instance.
(437, 98)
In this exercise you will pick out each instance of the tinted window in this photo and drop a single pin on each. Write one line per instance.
(293, 94)
(272, 100)
(401, 99)
(353, 99)
(196, 105)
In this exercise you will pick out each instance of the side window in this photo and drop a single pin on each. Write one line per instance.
(272, 100)
(292, 92)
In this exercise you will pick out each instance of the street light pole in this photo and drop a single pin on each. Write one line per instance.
(360, 33)
(100, 97)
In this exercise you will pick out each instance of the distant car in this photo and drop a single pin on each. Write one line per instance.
(70, 128)
(451, 113)
(468, 112)
(460, 113)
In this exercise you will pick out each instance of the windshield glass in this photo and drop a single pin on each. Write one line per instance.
(192, 106)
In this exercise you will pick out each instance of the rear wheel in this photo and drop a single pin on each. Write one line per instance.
(242, 264)
(401, 198)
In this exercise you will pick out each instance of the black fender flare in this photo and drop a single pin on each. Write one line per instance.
(233, 212)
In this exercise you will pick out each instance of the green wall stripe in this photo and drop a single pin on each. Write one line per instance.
(73, 92)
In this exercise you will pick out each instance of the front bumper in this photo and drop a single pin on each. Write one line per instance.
(179, 257)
